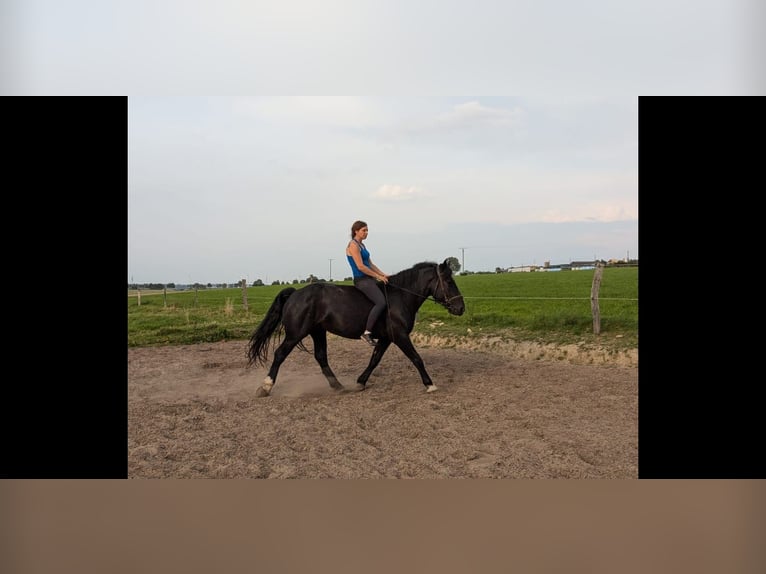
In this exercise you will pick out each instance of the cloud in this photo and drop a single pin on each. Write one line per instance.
(469, 125)
(335, 111)
(388, 192)
(473, 113)
(595, 212)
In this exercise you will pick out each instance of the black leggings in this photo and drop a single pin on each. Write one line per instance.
(369, 287)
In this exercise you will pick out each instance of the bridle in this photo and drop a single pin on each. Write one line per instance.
(446, 303)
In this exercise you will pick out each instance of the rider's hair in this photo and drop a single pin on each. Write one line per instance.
(356, 226)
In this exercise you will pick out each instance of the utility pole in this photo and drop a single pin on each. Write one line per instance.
(330, 269)
(462, 264)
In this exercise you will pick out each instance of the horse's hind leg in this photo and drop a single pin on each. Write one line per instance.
(280, 354)
(320, 354)
(377, 355)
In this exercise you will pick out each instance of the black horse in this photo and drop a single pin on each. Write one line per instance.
(343, 309)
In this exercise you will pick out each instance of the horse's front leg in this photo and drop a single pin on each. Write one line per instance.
(405, 344)
(377, 355)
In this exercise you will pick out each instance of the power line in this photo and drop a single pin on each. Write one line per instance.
(462, 264)
(462, 251)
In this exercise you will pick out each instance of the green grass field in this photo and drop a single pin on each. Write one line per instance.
(549, 307)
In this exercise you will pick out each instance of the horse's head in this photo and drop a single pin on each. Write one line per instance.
(445, 290)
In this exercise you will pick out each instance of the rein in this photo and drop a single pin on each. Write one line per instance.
(388, 309)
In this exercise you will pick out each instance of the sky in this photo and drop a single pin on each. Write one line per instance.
(230, 178)
(381, 47)
(228, 188)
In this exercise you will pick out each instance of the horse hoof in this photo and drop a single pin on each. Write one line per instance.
(359, 387)
(261, 392)
(338, 388)
(430, 388)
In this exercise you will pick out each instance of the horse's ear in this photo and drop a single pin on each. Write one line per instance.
(445, 268)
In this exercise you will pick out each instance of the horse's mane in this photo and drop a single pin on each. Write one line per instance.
(408, 276)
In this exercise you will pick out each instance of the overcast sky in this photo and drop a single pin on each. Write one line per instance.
(221, 188)
(381, 47)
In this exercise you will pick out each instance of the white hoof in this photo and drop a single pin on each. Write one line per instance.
(265, 389)
(431, 388)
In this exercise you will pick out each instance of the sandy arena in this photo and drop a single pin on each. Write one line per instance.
(502, 410)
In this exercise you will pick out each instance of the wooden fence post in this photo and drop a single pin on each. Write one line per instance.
(594, 299)
(165, 294)
(139, 297)
(244, 294)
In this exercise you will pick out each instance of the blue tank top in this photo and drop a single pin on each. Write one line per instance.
(365, 259)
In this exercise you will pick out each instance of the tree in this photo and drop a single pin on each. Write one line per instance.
(257, 283)
(453, 263)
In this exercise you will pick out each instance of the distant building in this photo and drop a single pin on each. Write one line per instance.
(582, 265)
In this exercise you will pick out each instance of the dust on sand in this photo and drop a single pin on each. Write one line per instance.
(502, 410)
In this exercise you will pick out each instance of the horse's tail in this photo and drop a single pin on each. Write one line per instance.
(259, 342)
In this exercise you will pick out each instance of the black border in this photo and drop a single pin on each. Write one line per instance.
(697, 405)
(68, 418)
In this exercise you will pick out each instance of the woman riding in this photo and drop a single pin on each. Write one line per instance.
(366, 273)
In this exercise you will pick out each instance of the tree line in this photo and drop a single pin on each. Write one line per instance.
(451, 261)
